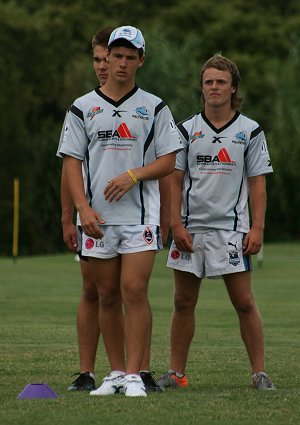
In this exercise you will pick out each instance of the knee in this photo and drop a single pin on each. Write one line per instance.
(109, 298)
(245, 306)
(184, 303)
(134, 294)
(89, 292)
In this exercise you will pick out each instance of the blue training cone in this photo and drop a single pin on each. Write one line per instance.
(37, 391)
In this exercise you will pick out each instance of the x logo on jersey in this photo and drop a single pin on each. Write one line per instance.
(218, 139)
(117, 113)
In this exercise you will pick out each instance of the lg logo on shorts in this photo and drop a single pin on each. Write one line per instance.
(176, 255)
(90, 243)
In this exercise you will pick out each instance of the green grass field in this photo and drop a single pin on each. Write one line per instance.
(39, 297)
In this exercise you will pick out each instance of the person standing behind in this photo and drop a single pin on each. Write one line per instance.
(225, 157)
(130, 143)
(88, 330)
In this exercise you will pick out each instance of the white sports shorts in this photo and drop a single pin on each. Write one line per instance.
(216, 252)
(122, 240)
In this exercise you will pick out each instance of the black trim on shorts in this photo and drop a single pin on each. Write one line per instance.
(83, 257)
(247, 259)
(79, 253)
(247, 263)
(157, 237)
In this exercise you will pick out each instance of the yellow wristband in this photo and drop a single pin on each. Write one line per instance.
(134, 179)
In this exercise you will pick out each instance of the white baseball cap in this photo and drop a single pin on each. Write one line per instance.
(131, 34)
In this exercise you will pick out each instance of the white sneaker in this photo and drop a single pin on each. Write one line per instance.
(134, 386)
(112, 384)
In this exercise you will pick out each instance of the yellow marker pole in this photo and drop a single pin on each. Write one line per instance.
(16, 218)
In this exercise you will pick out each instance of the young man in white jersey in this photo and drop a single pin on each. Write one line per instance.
(87, 315)
(225, 157)
(128, 139)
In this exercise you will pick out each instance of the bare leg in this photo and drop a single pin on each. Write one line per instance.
(88, 330)
(145, 365)
(251, 327)
(107, 277)
(183, 321)
(136, 270)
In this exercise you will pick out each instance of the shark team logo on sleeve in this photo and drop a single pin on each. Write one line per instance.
(148, 235)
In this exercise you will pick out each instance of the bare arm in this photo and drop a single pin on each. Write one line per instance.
(67, 210)
(182, 237)
(161, 167)
(89, 218)
(258, 201)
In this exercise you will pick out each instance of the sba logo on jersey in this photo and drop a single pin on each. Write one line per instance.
(222, 157)
(122, 132)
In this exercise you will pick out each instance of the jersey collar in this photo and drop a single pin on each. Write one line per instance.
(119, 102)
(219, 130)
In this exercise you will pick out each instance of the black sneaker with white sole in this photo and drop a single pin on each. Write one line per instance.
(84, 382)
(150, 383)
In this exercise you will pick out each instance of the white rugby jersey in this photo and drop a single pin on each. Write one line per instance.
(217, 163)
(113, 137)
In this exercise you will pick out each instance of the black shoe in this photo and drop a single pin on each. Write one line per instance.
(84, 382)
(150, 384)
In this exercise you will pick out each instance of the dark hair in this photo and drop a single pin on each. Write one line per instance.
(101, 38)
(224, 64)
(122, 42)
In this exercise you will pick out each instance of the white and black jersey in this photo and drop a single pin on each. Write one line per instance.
(217, 163)
(112, 137)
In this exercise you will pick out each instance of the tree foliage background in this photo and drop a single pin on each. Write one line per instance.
(45, 63)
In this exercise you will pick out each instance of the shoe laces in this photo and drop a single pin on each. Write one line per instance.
(113, 377)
